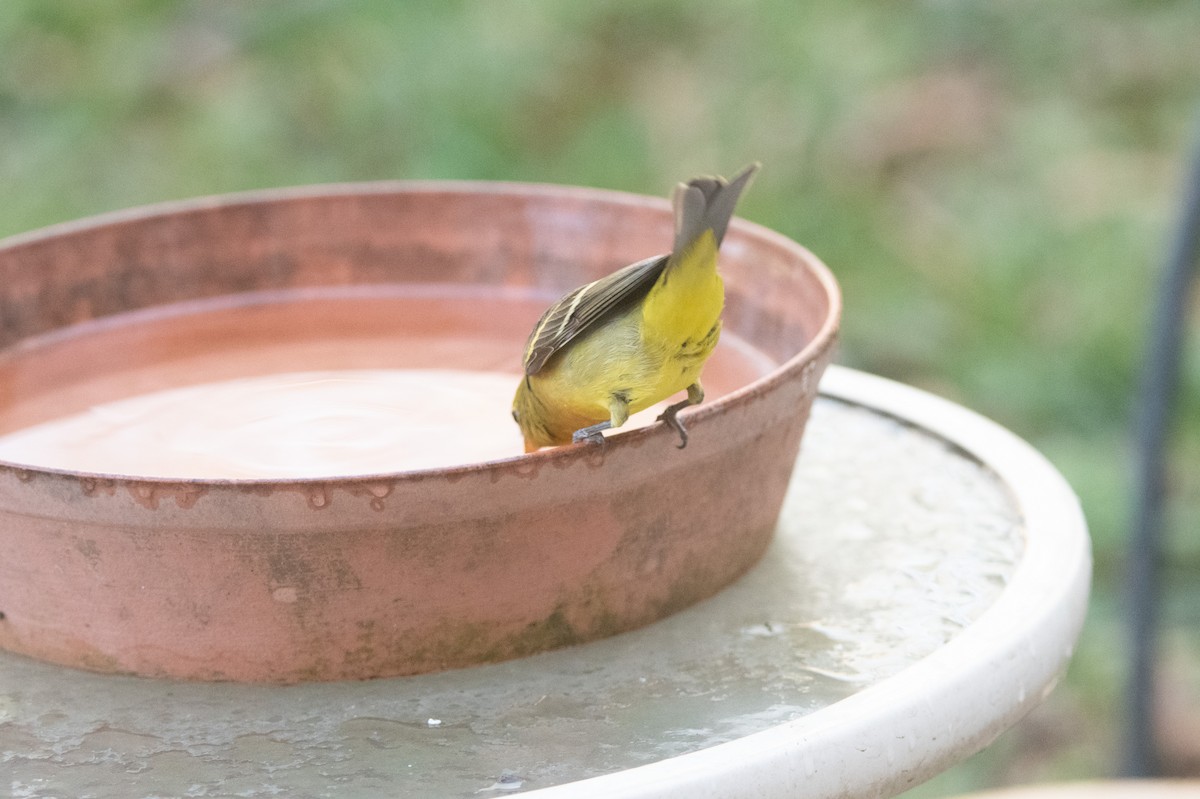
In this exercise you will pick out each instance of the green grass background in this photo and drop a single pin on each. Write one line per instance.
(993, 183)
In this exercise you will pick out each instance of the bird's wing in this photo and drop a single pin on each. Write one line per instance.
(586, 306)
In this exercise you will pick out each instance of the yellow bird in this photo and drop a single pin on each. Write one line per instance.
(631, 339)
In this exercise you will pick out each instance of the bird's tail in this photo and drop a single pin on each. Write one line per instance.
(684, 305)
(707, 203)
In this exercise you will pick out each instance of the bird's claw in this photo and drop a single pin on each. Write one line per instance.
(587, 437)
(670, 417)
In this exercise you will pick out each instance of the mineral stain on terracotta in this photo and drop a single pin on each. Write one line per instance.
(93, 485)
(399, 566)
(149, 495)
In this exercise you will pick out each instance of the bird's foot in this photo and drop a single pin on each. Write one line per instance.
(590, 435)
(670, 417)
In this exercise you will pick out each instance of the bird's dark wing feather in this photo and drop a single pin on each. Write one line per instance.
(586, 307)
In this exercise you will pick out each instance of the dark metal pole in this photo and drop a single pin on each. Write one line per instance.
(1152, 418)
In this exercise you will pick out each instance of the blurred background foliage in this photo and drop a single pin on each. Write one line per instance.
(994, 185)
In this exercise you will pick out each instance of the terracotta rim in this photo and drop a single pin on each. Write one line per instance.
(812, 351)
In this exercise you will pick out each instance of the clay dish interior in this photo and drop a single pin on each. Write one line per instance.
(397, 573)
